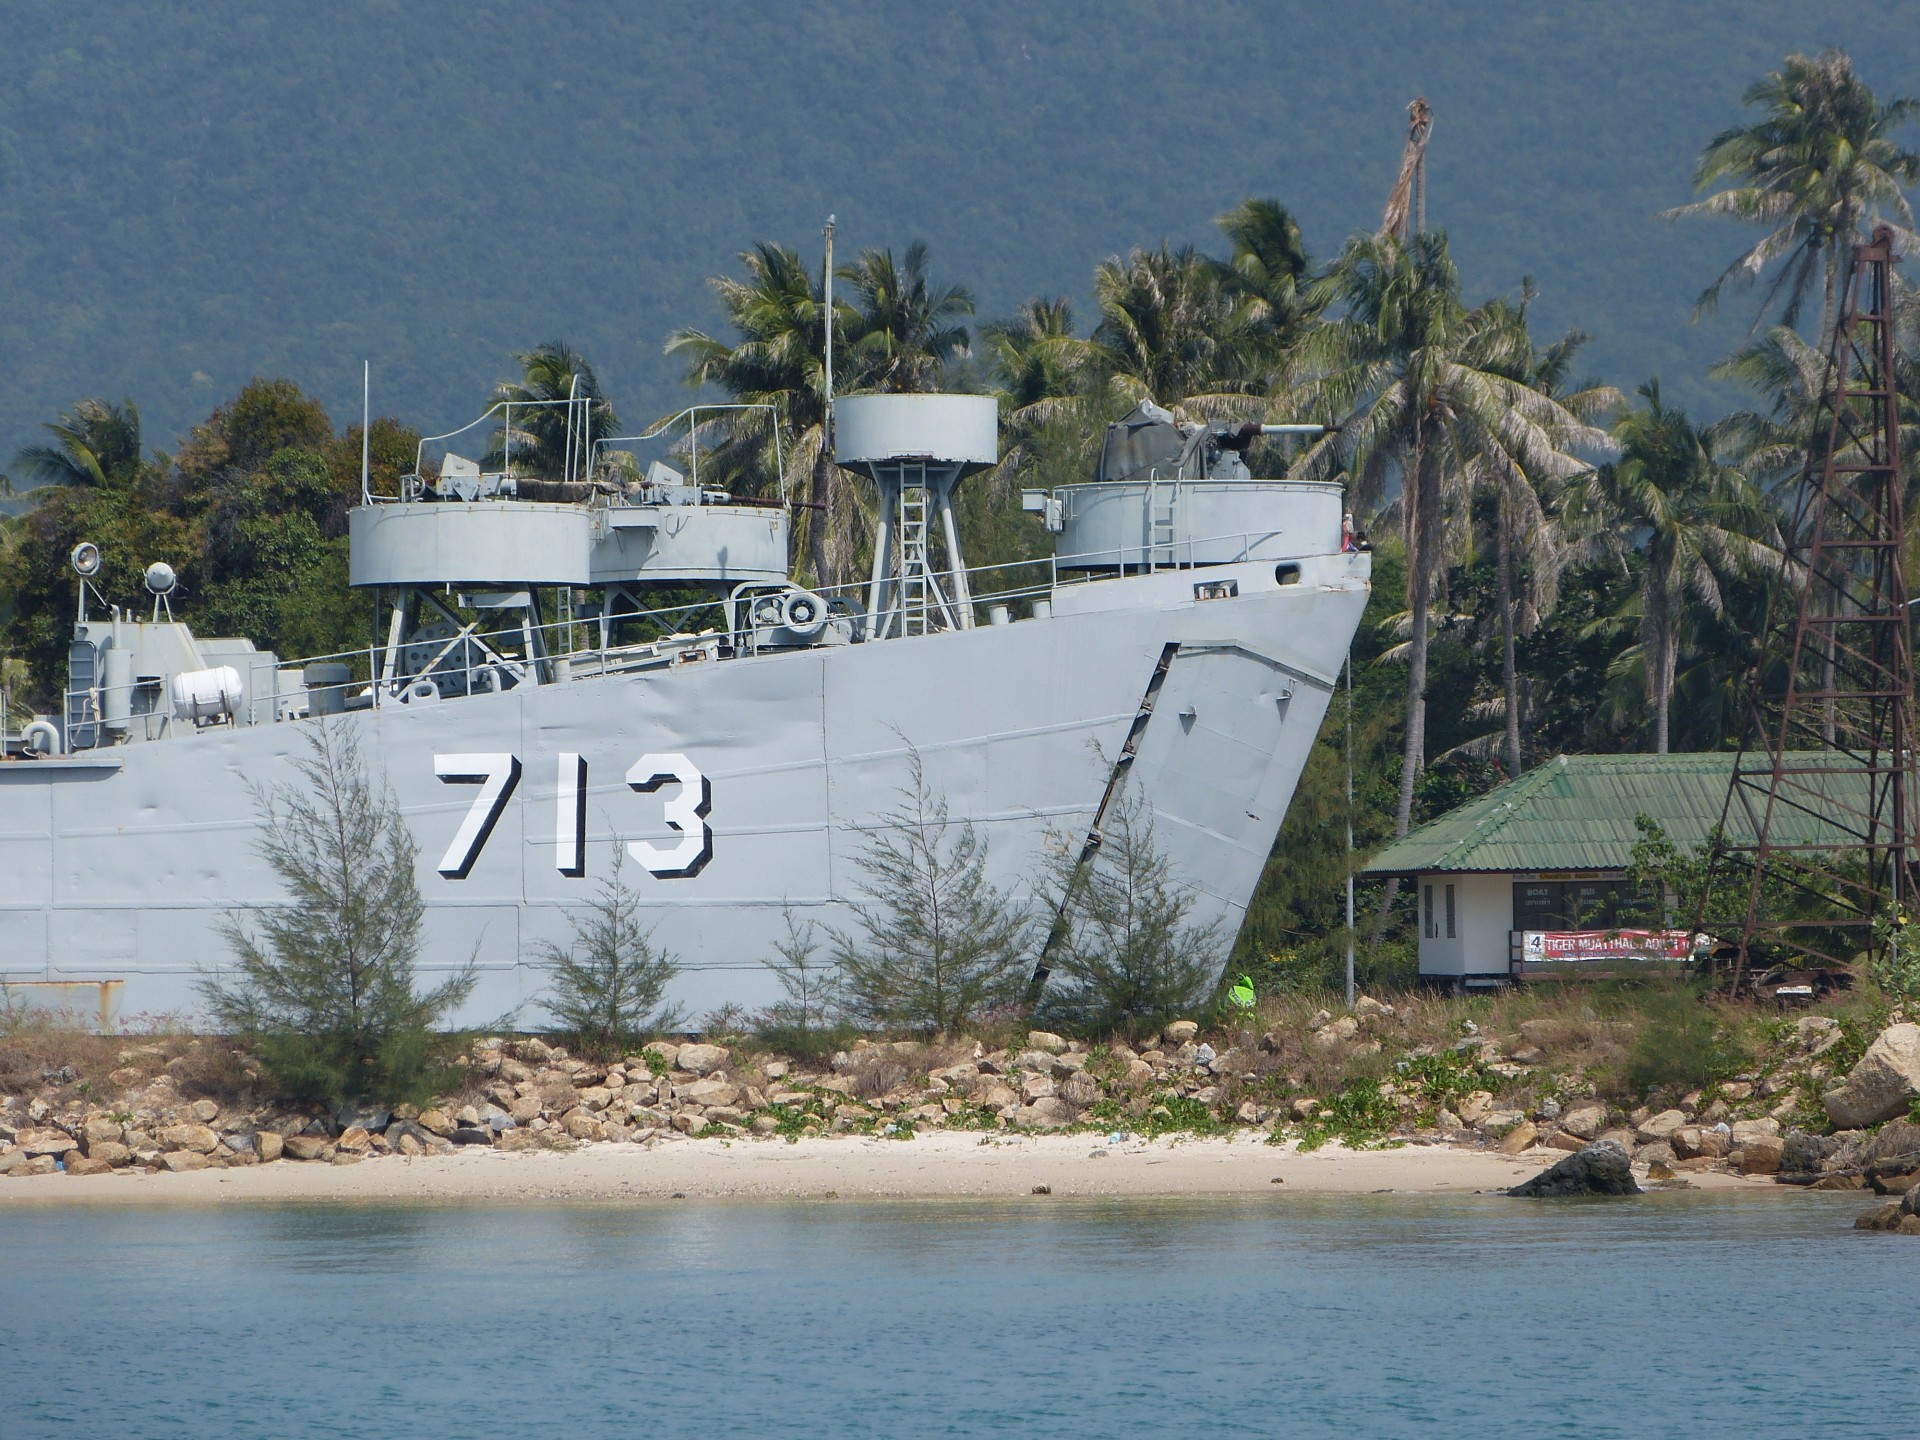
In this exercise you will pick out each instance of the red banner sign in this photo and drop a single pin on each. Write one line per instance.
(1537, 946)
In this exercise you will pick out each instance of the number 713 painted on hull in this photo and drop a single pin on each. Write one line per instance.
(497, 774)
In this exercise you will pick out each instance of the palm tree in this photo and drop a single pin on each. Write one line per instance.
(907, 330)
(779, 314)
(544, 434)
(1522, 526)
(1697, 521)
(1269, 274)
(96, 446)
(1423, 384)
(1170, 329)
(1037, 359)
(1815, 163)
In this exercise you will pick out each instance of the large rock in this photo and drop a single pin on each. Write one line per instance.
(1047, 1113)
(1518, 1138)
(1883, 1084)
(701, 1059)
(48, 1144)
(1659, 1127)
(1036, 1087)
(1585, 1118)
(110, 1153)
(87, 1165)
(306, 1147)
(1048, 1041)
(1601, 1169)
(1693, 1142)
(200, 1139)
(179, 1160)
(1761, 1155)
(101, 1129)
(268, 1144)
(1334, 1033)
(435, 1120)
(1180, 1032)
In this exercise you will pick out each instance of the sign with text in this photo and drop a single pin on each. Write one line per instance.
(1537, 946)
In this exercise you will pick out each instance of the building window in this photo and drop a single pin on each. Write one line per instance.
(1450, 933)
(1426, 917)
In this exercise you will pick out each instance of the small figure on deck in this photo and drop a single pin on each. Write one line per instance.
(1347, 544)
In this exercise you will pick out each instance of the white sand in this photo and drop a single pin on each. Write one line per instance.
(935, 1166)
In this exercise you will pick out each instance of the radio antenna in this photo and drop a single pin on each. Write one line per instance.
(366, 428)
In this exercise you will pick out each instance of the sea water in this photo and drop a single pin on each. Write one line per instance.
(1681, 1315)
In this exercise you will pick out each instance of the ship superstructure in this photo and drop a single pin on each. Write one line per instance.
(615, 662)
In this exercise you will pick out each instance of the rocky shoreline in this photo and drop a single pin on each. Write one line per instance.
(529, 1094)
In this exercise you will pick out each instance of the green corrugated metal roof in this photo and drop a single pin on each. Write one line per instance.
(1576, 812)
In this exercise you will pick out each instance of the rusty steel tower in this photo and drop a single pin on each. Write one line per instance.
(1819, 825)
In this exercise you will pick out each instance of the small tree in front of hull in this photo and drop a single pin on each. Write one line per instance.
(607, 984)
(326, 992)
(1124, 953)
(935, 943)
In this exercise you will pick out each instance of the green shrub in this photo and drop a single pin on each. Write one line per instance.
(1359, 1115)
(326, 996)
(609, 979)
(935, 944)
(1123, 954)
(1679, 1043)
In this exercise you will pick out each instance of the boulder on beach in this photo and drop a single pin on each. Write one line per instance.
(1603, 1168)
(1883, 1084)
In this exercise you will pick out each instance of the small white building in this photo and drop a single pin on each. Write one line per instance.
(1533, 878)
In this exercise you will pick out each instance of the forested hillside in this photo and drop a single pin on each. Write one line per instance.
(195, 195)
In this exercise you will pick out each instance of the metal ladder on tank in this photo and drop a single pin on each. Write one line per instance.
(1163, 520)
(913, 560)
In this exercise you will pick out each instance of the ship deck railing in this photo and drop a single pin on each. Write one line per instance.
(584, 451)
(589, 644)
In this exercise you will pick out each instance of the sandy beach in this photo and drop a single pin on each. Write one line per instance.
(928, 1167)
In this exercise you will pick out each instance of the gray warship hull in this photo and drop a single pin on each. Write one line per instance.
(746, 787)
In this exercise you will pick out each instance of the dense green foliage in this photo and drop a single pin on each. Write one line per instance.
(251, 511)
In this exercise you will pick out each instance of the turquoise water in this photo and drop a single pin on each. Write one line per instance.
(1381, 1316)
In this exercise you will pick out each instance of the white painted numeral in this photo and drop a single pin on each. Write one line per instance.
(686, 815)
(496, 775)
(570, 816)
